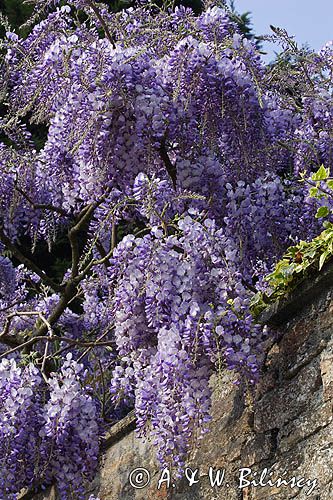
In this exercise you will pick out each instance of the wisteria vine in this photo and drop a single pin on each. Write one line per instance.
(170, 176)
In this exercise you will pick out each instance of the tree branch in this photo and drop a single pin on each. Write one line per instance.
(170, 167)
(84, 217)
(42, 206)
(14, 341)
(27, 262)
(67, 291)
(103, 23)
(54, 338)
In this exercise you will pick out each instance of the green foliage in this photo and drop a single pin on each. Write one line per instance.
(307, 257)
(244, 23)
(16, 12)
(117, 5)
(321, 175)
(321, 188)
(322, 212)
(297, 264)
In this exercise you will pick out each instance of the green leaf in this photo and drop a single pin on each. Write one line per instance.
(312, 254)
(313, 192)
(330, 184)
(322, 259)
(322, 212)
(321, 174)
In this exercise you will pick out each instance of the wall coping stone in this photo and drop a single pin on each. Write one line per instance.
(311, 287)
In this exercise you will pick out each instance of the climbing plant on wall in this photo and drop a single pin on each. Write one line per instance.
(170, 172)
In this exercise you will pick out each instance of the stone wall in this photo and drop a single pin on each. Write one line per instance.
(286, 430)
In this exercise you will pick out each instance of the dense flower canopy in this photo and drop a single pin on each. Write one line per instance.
(170, 165)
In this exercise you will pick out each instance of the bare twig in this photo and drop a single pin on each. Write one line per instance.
(320, 188)
(104, 388)
(113, 235)
(170, 167)
(89, 349)
(103, 23)
(42, 206)
(55, 338)
(95, 262)
(11, 316)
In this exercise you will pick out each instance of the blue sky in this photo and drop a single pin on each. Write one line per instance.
(310, 21)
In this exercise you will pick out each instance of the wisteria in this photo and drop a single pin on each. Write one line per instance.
(48, 431)
(21, 411)
(134, 237)
(177, 307)
(71, 430)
